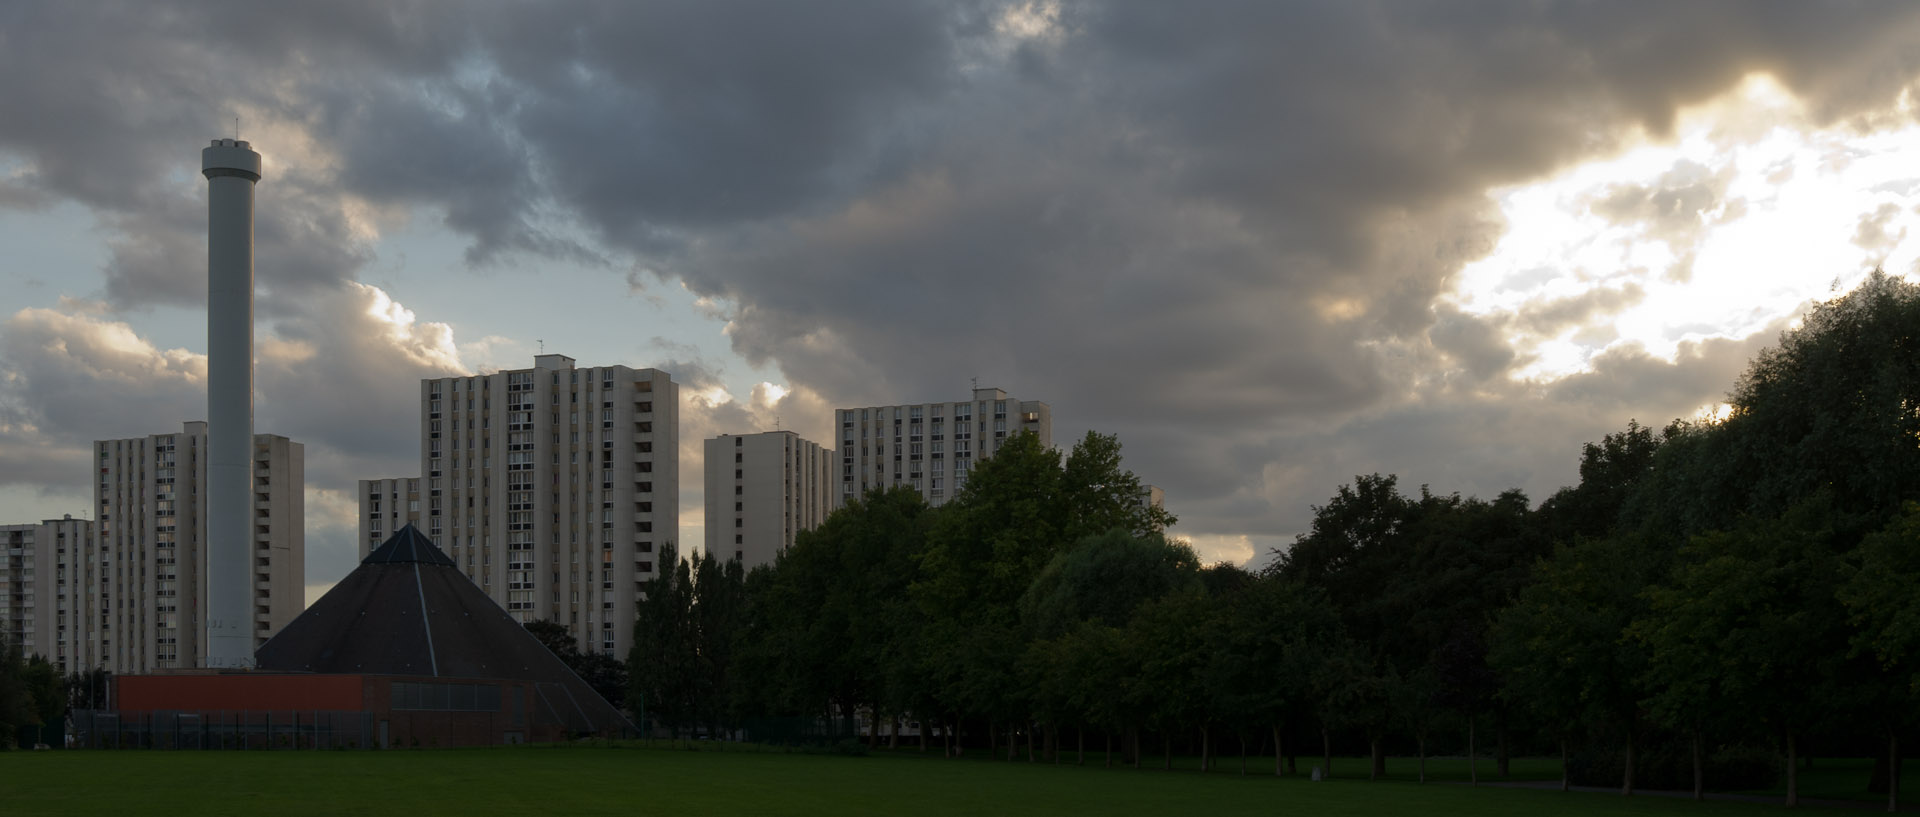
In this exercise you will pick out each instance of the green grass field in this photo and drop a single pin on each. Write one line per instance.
(667, 781)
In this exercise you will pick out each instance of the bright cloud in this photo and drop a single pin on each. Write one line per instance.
(1747, 213)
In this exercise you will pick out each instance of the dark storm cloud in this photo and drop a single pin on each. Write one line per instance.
(653, 117)
(1219, 229)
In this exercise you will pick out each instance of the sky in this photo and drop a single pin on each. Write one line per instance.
(1271, 246)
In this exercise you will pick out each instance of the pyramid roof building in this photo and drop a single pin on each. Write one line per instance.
(407, 610)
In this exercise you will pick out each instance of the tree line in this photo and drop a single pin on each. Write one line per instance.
(1710, 599)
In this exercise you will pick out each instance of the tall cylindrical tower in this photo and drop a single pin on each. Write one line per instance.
(231, 168)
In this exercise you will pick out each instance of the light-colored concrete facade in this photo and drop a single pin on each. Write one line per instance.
(930, 447)
(145, 601)
(552, 488)
(43, 569)
(386, 506)
(763, 489)
(1152, 498)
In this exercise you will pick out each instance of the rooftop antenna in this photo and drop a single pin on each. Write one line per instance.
(236, 128)
(776, 422)
(543, 345)
(976, 383)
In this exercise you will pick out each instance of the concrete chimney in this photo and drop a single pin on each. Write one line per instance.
(231, 168)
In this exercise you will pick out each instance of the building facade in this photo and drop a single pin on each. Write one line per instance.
(386, 506)
(147, 594)
(930, 447)
(551, 487)
(43, 568)
(761, 490)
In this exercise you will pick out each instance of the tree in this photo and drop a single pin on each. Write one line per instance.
(1104, 578)
(1265, 647)
(1884, 613)
(1832, 406)
(1561, 647)
(47, 694)
(16, 697)
(662, 666)
(88, 690)
(1610, 470)
(1750, 624)
(1100, 495)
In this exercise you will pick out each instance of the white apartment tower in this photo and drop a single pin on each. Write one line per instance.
(551, 487)
(148, 597)
(43, 570)
(762, 489)
(930, 447)
(386, 506)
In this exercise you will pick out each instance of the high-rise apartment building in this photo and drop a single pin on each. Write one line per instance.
(43, 569)
(930, 447)
(551, 487)
(386, 506)
(762, 489)
(147, 597)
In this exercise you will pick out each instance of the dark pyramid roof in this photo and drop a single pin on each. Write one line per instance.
(408, 610)
(408, 544)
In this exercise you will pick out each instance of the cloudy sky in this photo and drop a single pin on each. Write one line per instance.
(1271, 245)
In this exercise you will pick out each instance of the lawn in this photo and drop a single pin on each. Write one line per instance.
(665, 781)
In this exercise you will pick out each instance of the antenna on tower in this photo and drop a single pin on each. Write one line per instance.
(976, 383)
(543, 345)
(776, 422)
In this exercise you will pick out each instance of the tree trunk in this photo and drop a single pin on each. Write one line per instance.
(1379, 757)
(1166, 747)
(1243, 755)
(1626, 783)
(1793, 774)
(1566, 772)
(893, 733)
(1500, 748)
(1029, 743)
(1080, 741)
(923, 736)
(1109, 750)
(873, 730)
(1134, 735)
(1326, 751)
(1206, 750)
(1278, 755)
(1473, 763)
(993, 741)
(1893, 773)
(1013, 742)
(1699, 773)
(1420, 740)
(946, 739)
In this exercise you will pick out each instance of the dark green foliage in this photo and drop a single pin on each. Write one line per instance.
(88, 690)
(16, 698)
(1104, 578)
(663, 667)
(1722, 584)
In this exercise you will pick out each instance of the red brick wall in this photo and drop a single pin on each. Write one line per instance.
(260, 693)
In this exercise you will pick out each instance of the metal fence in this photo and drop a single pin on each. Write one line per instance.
(224, 729)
